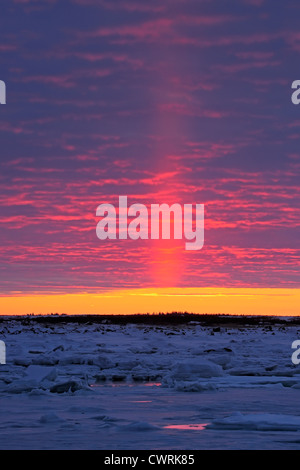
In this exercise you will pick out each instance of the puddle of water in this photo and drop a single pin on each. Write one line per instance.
(141, 401)
(187, 427)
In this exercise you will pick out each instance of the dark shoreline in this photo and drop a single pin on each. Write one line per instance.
(174, 318)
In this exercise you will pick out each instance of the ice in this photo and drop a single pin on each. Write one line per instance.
(139, 427)
(110, 386)
(69, 386)
(50, 418)
(21, 386)
(20, 361)
(40, 373)
(45, 360)
(194, 386)
(258, 422)
(189, 370)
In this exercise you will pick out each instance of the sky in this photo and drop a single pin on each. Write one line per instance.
(165, 102)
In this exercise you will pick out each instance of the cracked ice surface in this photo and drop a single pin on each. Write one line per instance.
(105, 386)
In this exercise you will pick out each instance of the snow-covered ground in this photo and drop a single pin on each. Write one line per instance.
(106, 386)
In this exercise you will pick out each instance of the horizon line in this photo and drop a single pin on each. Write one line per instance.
(208, 300)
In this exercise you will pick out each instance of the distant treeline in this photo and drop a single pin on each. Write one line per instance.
(173, 318)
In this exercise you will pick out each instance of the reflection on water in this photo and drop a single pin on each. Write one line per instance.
(140, 401)
(187, 427)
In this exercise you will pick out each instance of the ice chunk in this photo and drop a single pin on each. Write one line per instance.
(50, 418)
(45, 360)
(20, 361)
(21, 386)
(194, 386)
(69, 386)
(191, 370)
(40, 373)
(258, 422)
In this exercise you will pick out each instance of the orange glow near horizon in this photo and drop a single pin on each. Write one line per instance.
(235, 301)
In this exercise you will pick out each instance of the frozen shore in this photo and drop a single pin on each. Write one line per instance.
(82, 383)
